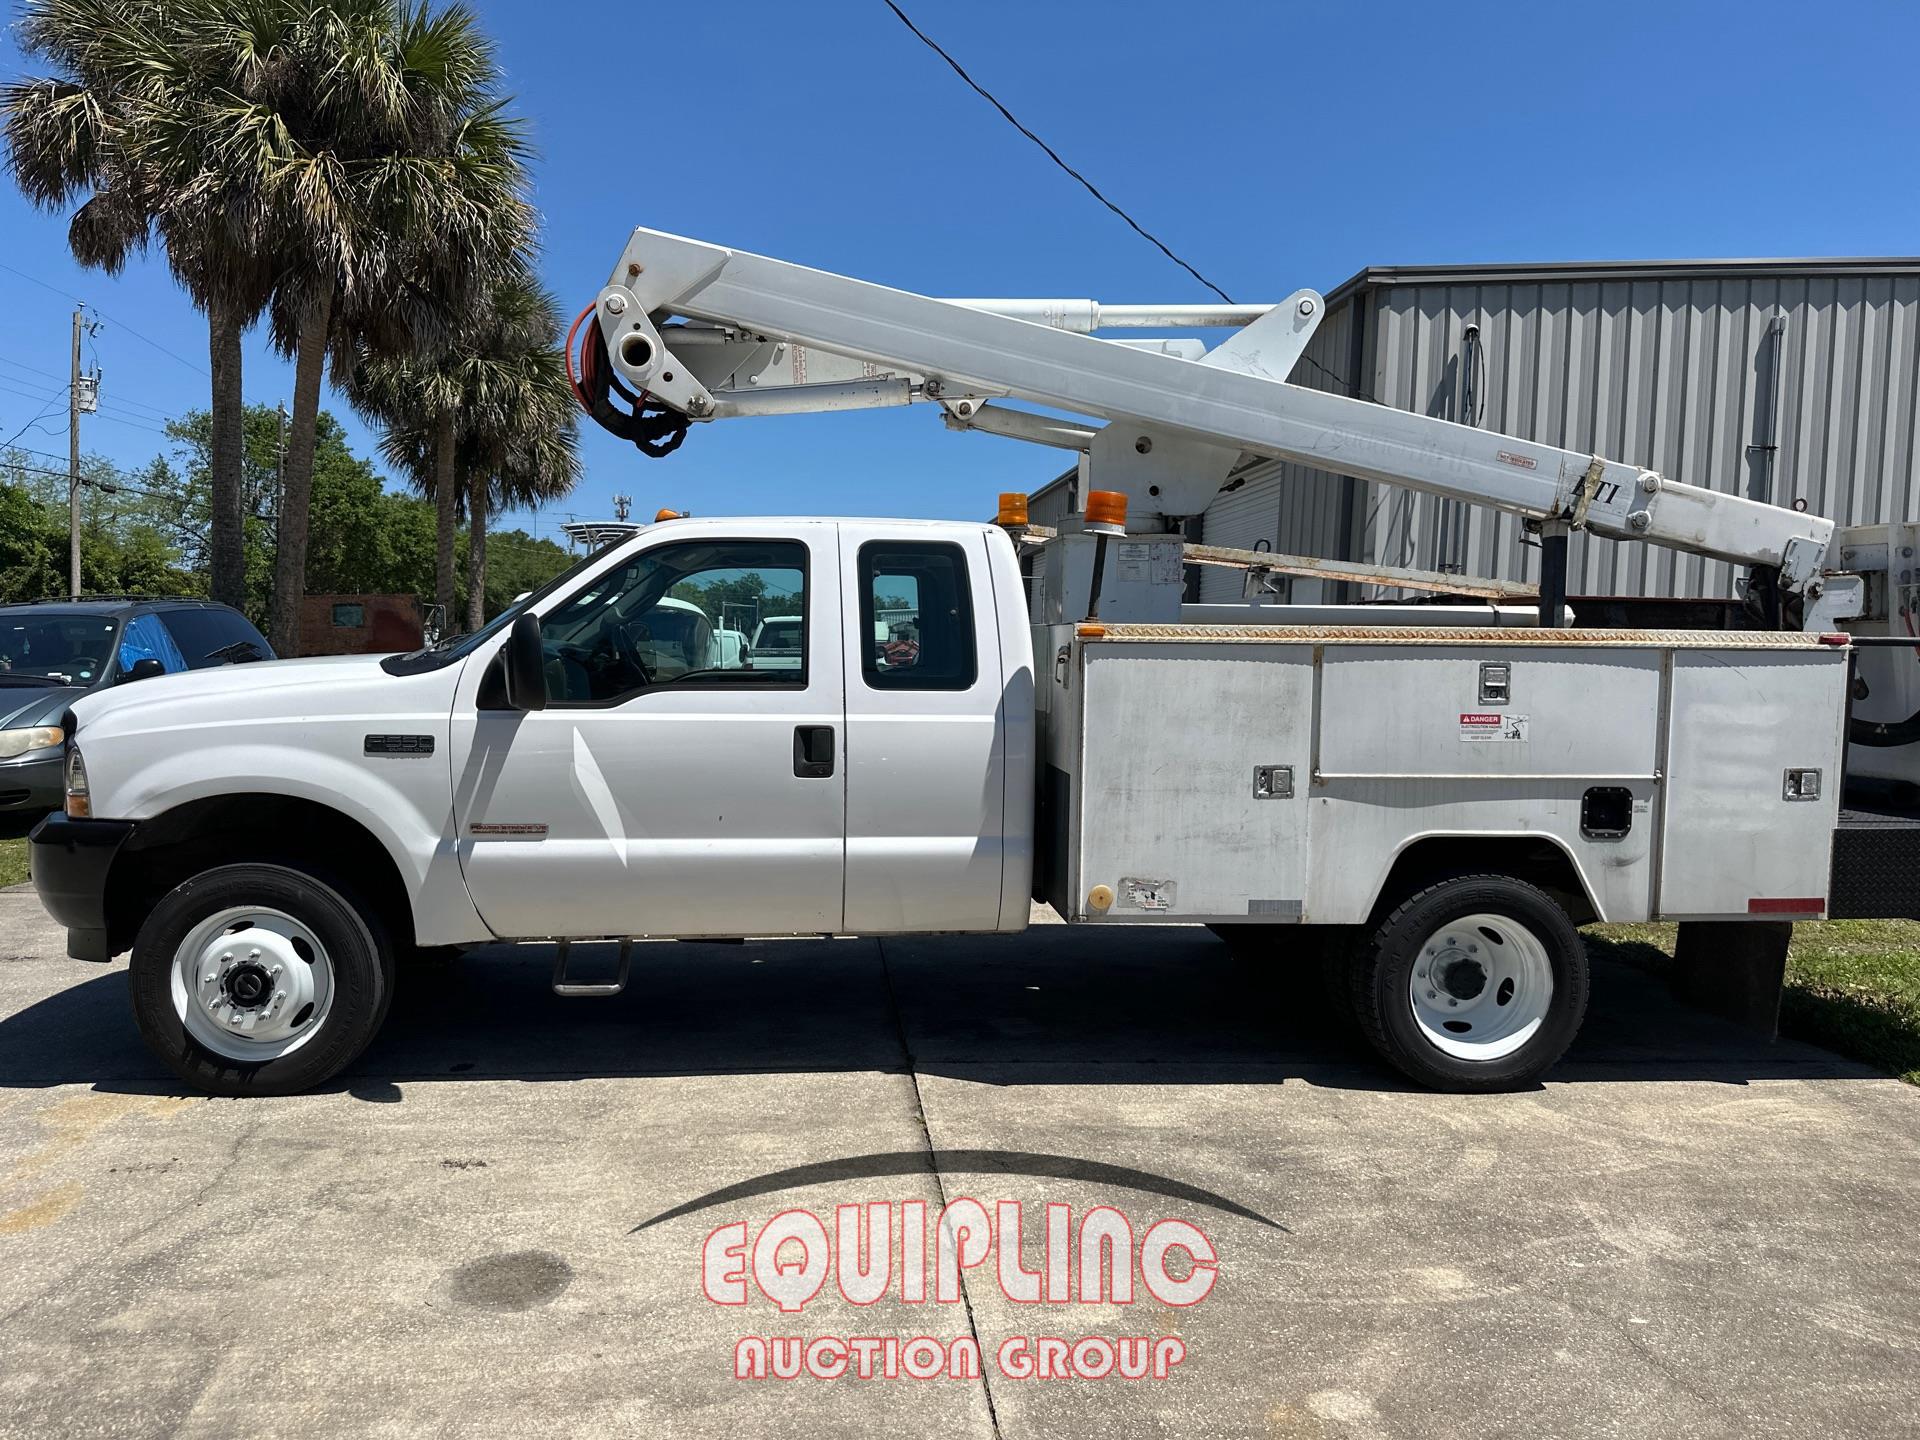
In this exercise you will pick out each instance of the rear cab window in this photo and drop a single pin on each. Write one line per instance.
(916, 613)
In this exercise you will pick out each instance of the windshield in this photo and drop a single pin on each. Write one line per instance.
(62, 649)
(458, 647)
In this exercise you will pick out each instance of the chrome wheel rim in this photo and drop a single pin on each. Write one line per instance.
(1481, 987)
(252, 983)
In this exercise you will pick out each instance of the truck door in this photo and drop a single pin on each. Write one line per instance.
(926, 749)
(673, 786)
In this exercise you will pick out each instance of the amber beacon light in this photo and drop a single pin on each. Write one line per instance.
(1106, 507)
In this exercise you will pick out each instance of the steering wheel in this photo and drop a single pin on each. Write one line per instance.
(629, 653)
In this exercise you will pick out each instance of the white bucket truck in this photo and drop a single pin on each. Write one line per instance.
(974, 714)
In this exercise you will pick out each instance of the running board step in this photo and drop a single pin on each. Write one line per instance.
(562, 986)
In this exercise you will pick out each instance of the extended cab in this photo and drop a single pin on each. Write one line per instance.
(268, 842)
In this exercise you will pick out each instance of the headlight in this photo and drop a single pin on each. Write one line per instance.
(79, 804)
(38, 737)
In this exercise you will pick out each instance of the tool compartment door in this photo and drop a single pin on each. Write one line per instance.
(1739, 721)
(1169, 817)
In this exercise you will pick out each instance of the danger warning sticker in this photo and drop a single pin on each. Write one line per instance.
(1492, 725)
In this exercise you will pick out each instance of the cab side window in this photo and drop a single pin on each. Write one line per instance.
(702, 614)
(916, 617)
(145, 638)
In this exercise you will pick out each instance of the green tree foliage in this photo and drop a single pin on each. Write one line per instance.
(349, 165)
(148, 531)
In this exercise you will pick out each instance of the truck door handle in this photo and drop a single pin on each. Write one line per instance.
(813, 751)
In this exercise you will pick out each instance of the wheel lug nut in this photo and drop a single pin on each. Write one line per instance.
(1453, 1004)
(1431, 995)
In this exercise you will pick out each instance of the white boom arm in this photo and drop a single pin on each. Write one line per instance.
(772, 337)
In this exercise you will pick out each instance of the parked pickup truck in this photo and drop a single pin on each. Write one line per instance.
(1449, 799)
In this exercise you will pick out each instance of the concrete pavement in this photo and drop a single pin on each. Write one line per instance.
(494, 1224)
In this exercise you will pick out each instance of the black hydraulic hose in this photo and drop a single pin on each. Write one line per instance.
(656, 432)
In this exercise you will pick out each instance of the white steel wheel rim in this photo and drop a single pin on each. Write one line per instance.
(252, 983)
(1481, 987)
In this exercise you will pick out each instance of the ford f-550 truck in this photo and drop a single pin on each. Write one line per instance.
(1447, 791)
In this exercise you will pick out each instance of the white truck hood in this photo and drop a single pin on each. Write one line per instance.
(279, 689)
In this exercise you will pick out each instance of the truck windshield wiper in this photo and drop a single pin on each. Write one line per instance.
(15, 677)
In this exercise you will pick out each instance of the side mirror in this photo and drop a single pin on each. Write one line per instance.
(526, 669)
(143, 669)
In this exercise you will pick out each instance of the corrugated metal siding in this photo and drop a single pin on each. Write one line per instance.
(1049, 505)
(1292, 508)
(1672, 373)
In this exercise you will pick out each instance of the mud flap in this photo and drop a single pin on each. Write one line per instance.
(1734, 969)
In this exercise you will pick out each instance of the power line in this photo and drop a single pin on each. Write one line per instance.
(117, 485)
(30, 424)
(61, 388)
(132, 424)
(106, 412)
(68, 294)
(1052, 154)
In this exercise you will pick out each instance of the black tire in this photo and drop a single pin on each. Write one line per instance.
(1382, 968)
(357, 950)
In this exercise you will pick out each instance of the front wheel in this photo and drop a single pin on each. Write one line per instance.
(1475, 983)
(258, 980)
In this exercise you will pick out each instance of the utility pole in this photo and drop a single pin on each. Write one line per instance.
(73, 460)
(279, 459)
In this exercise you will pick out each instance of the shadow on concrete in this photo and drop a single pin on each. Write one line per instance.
(1135, 1005)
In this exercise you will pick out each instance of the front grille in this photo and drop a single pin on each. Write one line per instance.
(13, 797)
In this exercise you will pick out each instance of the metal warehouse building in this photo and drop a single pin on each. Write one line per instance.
(1784, 380)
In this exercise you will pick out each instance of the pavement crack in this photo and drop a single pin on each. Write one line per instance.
(933, 1168)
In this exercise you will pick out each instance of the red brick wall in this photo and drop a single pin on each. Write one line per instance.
(388, 622)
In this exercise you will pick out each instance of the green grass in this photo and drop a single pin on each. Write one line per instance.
(1852, 985)
(13, 861)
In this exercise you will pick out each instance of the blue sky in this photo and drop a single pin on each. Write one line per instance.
(1273, 146)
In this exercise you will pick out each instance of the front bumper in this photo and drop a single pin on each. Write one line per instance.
(29, 789)
(70, 860)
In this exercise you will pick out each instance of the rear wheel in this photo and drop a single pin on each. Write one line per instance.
(1475, 983)
(259, 980)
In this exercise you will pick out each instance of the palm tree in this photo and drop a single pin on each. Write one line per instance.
(76, 134)
(351, 158)
(526, 453)
(471, 405)
(394, 184)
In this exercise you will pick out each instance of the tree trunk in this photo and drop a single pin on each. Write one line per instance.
(476, 551)
(296, 485)
(227, 563)
(446, 514)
